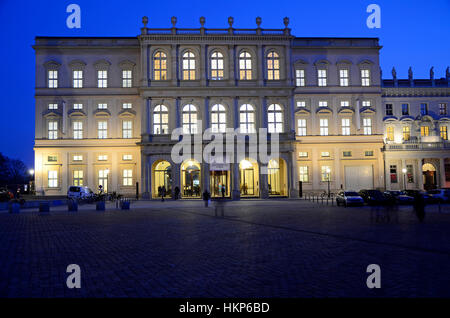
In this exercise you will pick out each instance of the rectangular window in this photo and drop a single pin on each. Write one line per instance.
(127, 157)
(393, 173)
(424, 109)
(389, 110)
(301, 103)
(52, 158)
(127, 177)
(343, 77)
(77, 158)
(325, 154)
(443, 130)
(78, 177)
(102, 129)
(126, 78)
(52, 79)
(126, 105)
(77, 106)
(367, 126)
(77, 130)
(405, 109)
(303, 174)
(52, 106)
(345, 126)
(390, 133)
(52, 179)
(347, 153)
(368, 153)
(300, 77)
(406, 130)
(323, 103)
(127, 129)
(102, 78)
(77, 78)
(52, 129)
(102, 106)
(301, 127)
(325, 173)
(409, 173)
(303, 154)
(102, 158)
(424, 131)
(365, 77)
(322, 77)
(442, 109)
(366, 103)
(324, 126)
(345, 103)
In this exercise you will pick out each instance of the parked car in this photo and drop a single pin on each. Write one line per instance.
(374, 197)
(400, 197)
(415, 193)
(439, 195)
(6, 195)
(79, 192)
(348, 198)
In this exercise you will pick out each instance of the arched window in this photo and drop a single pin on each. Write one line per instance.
(160, 66)
(188, 66)
(189, 119)
(216, 66)
(245, 66)
(218, 118)
(247, 118)
(273, 66)
(160, 120)
(275, 118)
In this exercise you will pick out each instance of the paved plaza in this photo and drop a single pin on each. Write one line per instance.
(260, 248)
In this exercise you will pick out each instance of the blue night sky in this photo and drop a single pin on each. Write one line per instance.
(412, 33)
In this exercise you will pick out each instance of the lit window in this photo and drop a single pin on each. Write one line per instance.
(405, 109)
(345, 126)
(325, 154)
(368, 153)
(245, 66)
(325, 173)
(102, 106)
(273, 66)
(188, 66)
(303, 174)
(127, 157)
(303, 154)
(102, 129)
(442, 109)
(160, 66)
(77, 106)
(217, 66)
(366, 103)
(324, 126)
(301, 124)
(275, 118)
(160, 120)
(52, 106)
(127, 177)
(406, 133)
(127, 128)
(389, 110)
(78, 177)
(52, 79)
(443, 130)
(367, 126)
(77, 158)
(218, 118)
(189, 119)
(102, 77)
(393, 173)
(127, 78)
(126, 105)
(301, 103)
(300, 77)
(52, 158)
(343, 77)
(347, 154)
(322, 77)
(323, 103)
(52, 179)
(424, 109)
(77, 130)
(77, 78)
(390, 133)
(424, 131)
(365, 77)
(345, 103)
(102, 158)
(247, 119)
(53, 129)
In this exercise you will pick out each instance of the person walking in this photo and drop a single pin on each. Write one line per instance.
(163, 193)
(222, 189)
(206, 197)
(176, 193)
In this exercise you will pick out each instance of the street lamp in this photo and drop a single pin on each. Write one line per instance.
(328, 174)
(31, 172)
(404, 177)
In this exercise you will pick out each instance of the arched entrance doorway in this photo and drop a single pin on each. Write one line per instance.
(277, 177)
(162, 176)
(191, 179)
(249, 177)
(429, 176)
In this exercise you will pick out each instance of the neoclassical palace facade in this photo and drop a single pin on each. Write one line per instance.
(106, 108)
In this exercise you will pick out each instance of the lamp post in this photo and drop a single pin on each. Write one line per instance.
(328, 174)
(31, 172)
(404, 177)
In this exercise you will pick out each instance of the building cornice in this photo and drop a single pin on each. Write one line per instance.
(415, 91)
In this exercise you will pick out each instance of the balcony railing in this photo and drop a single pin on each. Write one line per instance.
(419, 146)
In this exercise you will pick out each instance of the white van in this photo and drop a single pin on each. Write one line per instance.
(78, 192)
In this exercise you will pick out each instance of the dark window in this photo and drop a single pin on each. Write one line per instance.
(424, 109)
(393, 173)
(389, 111)
(405, 109)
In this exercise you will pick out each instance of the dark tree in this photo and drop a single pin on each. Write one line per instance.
(12, 171)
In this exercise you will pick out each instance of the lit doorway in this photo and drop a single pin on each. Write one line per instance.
(190, 179)
(277, 179)
(429, 176)
(220, 182)
(249, 178)
(162, 176)
(103, 179)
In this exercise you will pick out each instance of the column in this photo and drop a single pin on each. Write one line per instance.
(315, 173)
(174, 58)
(236, 191)
(419, 175)
(236, 112)
(203, 64)
(260, 64)
(90, 171)
(177, 112)
(387, 175)
(65, 172)
(115, 172)
(206, 119)
(231, 69)
(144, 176)
(442, 172)
(205, 177)
(144, 64)
(263, 182)
(288, 65)
(176, 177)
(338, 181)
(263, 115)
(291, 119)
(293, 175)
(403, 175)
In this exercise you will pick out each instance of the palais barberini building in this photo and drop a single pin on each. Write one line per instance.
(106, 108)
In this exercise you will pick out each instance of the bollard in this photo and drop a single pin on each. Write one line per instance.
(125, 205)
(14, 207)
(100, 206)
(72, 205)
(44, 207)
